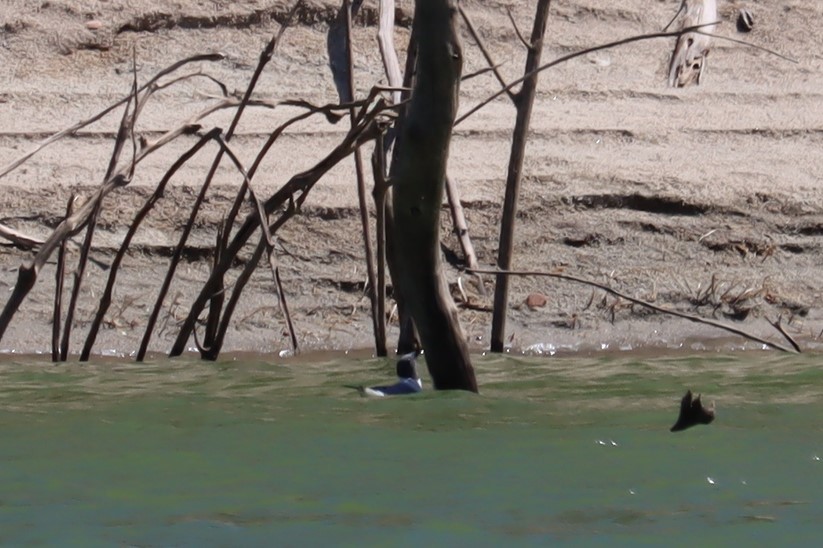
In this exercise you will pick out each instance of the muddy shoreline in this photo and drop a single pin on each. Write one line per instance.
(705, 200)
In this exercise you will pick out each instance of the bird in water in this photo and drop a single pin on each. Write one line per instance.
(688, 61)
(692, 413)
(408, 382)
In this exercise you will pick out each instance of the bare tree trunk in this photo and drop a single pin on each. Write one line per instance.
(418, 186)
(341, 62)
(524, 100)
(409, 339)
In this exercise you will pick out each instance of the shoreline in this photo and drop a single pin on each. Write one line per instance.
(704, 200)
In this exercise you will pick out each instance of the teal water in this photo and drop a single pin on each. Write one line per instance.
(572, 451)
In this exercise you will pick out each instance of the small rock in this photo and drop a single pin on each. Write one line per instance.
(94, 24)
(536, 300)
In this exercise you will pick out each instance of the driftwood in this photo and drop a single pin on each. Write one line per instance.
(418, 187)
(461, 228)
(688, 62)
(19, 239)
(382, 191)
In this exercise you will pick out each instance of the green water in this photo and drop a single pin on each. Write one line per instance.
(555, 451)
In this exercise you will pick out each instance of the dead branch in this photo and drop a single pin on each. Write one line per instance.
(519, 34)
(125, 132)
(779, 326)
(27, 274)
(103, 113)
(19, 239)
(616, 293)
(339, 40)
(217, 303)
(370, 122)
(381, 188)
(285, 307)
(524, 101)
(461, 228)
(486, 55)
(568, 57)
(689, 58)
(385, 40)
(59, 278)
(105, 299)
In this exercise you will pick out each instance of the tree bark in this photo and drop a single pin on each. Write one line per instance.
(524, 100)
(418, 186)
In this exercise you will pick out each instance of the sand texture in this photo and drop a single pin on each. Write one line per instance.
(706, 199)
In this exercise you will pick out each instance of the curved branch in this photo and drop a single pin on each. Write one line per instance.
(616, 293)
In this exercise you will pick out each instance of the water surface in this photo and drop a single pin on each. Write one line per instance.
(561, 450)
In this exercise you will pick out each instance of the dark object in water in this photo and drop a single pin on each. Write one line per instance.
(745, 20)
(408, 382)
(692, 413)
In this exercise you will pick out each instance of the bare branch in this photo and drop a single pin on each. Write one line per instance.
(18, 238)
(80, 125)
(641, 302)
(568, 57)
(779, 326)
(519, 34)
(482, 46)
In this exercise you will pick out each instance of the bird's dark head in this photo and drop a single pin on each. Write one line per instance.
(407, 366)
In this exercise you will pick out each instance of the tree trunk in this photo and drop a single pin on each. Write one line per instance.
(418, 186)
(524, 100)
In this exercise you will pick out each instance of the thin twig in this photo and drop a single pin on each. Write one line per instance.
(59, 278)
(105, 299)
(779, 326)
(347, 91)
(564, 58)
(80, 125)
(285, 307)
(19, 239)
(747, 44)
(461, 229)
(369, 124)
(480, 72)
(482, 47)
(519, 34)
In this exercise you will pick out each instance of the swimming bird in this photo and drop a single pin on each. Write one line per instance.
(408, 382)
(688, 62)
(692, 413)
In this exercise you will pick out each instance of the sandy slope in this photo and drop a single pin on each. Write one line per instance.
(652, 190)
